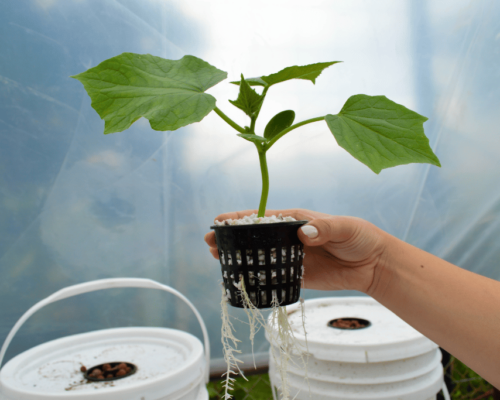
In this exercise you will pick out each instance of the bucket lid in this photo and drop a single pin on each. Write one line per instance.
(388, 338)
(170, 363)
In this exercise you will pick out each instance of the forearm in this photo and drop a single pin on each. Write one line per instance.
(455, 308)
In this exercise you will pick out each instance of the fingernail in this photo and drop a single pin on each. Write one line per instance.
(310, 231)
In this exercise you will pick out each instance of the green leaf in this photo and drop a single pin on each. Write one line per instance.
(248, 99)
(381, 133)
(280, 121)
(253, 138)
(169, 93)
(252, 82)
(309, 72)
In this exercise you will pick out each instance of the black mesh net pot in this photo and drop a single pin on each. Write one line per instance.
(267, 256)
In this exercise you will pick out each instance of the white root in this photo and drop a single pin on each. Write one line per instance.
(255, 318)
(280, 336)
(230, 348)
(282, 341)
(305, 360)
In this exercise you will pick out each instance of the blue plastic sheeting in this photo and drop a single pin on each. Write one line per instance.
(76, 205)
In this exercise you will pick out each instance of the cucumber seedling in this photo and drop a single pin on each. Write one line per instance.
(171, 94)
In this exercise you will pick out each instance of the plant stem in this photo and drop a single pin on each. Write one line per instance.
(263, 162)
(265, 182)
(229, 120)
(268, 145)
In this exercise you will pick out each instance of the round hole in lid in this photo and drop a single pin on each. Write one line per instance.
(109, 371)
(349, 323)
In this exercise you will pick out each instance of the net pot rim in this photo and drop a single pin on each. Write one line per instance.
(251, 226)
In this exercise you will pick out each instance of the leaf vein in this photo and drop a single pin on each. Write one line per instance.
(388, 138)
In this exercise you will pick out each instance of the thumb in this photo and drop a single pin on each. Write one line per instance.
(332, 229)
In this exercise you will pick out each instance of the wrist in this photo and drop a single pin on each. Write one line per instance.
(384, 272)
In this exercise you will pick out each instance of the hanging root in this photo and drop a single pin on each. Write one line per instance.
(284, 344)
(279, 333)
(230, 348)
(282, 341)
(304, 358)
(255, 318)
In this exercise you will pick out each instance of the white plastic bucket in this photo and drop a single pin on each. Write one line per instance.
(387, 360)
(171, 363)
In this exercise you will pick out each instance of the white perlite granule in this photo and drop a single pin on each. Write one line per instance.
(253, 219)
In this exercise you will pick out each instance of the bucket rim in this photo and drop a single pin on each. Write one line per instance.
(189, 373)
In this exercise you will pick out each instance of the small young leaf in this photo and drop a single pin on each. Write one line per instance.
(280, 121)
(248, 99)
(253, 138)
(252, 82)
(169, 93)
(381, 133)
(309, 72)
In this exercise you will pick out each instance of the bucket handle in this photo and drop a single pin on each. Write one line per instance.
(93, 286)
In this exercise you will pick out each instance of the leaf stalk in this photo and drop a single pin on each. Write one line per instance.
(229, 120)
(268, 145)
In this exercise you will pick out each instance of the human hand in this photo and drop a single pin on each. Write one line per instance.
(340, 252)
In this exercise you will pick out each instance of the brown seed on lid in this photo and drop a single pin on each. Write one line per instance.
(121, 372)
(83, 368)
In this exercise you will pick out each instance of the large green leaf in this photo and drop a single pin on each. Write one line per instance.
(280, 121)
(309, 72)
(169, 93)
(381, 133)
(248, 99)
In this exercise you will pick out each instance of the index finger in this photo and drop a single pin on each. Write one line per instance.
(210, 239)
